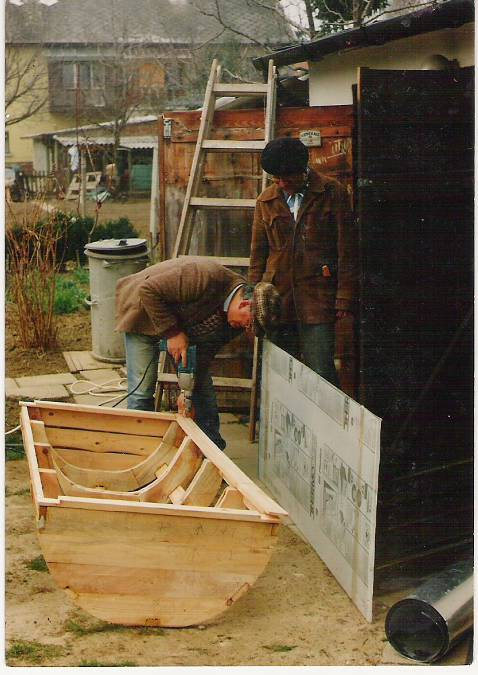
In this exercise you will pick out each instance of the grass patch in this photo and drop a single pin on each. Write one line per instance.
(71, 289)
(100, 664)
(148, 630)
(16, 493)
(14, 446)
(37, 564)
(279, 648)
(81, 626)
(32, 652)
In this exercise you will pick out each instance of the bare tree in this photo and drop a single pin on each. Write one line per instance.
(26, 90)
(311, 18)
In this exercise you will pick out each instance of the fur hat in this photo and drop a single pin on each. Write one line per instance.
(266, 307)
(284, 157)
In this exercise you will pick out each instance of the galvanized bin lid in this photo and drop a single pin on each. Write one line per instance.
(117, 246)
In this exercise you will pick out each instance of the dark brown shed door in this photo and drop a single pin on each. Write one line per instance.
(414, 198)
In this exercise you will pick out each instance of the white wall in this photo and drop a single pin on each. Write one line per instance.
(331, 79)
(40, 156)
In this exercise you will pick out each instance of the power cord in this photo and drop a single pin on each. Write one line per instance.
(95, 389)
(133, 390)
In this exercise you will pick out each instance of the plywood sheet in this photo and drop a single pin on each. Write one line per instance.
(319, 453)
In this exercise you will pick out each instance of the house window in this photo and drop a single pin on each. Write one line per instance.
(83, 75)
(7, 142)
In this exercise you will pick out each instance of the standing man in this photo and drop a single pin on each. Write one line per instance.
(304, 241)
(188, 300)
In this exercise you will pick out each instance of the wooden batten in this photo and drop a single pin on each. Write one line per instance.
(29, 445)
(231, 473)
(114, 505)
(50, 484)
(39, 433)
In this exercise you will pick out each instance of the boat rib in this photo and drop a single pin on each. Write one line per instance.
(132, 478)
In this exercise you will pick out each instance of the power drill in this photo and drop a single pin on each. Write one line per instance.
(185, 374)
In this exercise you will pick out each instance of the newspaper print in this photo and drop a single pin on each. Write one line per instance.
(318, 454)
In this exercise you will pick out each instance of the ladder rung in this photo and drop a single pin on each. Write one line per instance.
(222, 145)
(240, 89)
(218, 203)
(227, 382)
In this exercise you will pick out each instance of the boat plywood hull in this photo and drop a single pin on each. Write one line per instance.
(177, 552)
(153, 570)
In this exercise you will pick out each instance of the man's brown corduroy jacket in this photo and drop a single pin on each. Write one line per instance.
(313, 263)
(166, 298)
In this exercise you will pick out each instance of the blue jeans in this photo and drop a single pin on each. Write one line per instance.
(313, 344)
(142, 356)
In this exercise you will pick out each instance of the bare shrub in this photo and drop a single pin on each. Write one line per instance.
(32, 267)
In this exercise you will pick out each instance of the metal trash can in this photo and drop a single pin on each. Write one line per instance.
(110, 260)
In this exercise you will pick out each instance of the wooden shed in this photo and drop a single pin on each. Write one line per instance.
(239, 175)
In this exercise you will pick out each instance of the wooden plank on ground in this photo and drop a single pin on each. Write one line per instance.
(77, 361)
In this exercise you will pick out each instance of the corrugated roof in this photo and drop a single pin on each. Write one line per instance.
(142, 21)
(125, 141)
(89, 127)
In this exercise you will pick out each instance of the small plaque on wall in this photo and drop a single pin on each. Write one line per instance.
(311, 138)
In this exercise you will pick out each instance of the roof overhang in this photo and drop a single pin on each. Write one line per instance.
(92, 127)
(449, 14)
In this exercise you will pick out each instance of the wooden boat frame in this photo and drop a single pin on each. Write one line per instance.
(137, 561)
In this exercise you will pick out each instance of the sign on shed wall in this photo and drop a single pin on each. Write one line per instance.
(319, 453)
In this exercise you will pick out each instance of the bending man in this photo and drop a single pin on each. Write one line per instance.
(188, 300)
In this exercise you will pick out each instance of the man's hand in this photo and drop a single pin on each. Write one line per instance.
(182, 406)
(178, 348)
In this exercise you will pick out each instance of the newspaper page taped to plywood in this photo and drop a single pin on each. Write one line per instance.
(319, 453)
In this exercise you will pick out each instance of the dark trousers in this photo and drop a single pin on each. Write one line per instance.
(313, 344)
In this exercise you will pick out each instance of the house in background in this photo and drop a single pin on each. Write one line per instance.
(109, 60)
(56, 153)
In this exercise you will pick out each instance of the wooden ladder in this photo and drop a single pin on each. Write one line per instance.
(192, 201)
